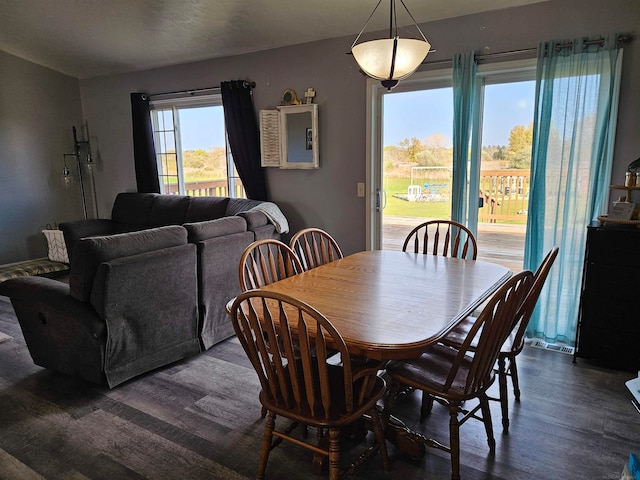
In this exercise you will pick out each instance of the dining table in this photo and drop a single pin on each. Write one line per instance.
(393, 305)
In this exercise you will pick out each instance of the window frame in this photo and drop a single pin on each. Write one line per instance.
(174, 103)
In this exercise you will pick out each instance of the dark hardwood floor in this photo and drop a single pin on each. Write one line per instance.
(200, 419)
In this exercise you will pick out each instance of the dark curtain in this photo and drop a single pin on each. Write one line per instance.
(144, 151)
(244, 136)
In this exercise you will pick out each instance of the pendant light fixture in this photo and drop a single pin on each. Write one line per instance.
(394, 58)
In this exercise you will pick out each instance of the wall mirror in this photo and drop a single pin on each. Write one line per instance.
(299, 136)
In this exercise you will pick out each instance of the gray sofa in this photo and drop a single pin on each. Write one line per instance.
(138, 211)
(140, 294)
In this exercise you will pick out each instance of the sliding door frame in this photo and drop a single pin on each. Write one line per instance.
(490, 73)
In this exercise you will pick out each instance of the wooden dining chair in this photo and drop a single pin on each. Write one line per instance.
(309, 390)
(315, 247)
(442, 237)
(515, 342)
(454, 376)
(265, 262)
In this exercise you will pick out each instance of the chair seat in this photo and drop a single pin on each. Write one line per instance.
(429, 373)
(457, 336)
(337, 414)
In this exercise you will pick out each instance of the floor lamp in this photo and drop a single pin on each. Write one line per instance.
(81, 154)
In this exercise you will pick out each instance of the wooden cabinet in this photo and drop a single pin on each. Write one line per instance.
(609, 323)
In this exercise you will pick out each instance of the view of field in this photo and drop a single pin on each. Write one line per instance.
(426, 164)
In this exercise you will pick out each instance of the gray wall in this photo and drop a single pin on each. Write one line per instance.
(325, 197)
(38, 108)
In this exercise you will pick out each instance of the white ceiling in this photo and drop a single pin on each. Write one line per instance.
(88, 38)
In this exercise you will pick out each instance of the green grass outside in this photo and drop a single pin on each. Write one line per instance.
(396, 207)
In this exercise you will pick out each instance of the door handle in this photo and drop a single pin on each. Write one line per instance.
(381, 200)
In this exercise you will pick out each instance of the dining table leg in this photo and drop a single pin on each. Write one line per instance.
(408, 441)
(397, 432)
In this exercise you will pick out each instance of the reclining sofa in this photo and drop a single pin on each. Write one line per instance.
(147, 287)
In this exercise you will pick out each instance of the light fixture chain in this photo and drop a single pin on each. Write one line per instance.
(414, 21)
(367, 23)
(393, 20)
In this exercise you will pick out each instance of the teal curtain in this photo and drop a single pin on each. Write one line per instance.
(464, 102)
(574, 130)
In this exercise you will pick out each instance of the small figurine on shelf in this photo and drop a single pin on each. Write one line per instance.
(309, 94)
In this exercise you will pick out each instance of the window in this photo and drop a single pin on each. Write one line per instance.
(192, 151)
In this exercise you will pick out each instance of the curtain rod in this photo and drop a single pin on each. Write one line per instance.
(196, 91)
(623, 38)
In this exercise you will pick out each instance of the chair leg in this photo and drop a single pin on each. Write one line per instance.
(486, 419)
(427, 406)
(334, 453)
(265, 448)
(513, 370)
(389, 402)
(454, 439)
(504, 396)
(380, 438)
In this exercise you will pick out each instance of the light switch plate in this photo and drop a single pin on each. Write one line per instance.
(360, 189)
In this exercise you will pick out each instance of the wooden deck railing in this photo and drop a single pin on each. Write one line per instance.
(505, 195)
(208, 188)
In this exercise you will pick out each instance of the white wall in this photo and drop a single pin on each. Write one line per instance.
(38, 108)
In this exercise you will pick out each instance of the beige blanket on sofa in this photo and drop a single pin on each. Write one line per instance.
(275, 216)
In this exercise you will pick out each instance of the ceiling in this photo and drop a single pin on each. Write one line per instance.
(88, 38)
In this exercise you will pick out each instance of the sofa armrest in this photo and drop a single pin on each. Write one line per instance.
(62, 333)
(74, 231)
(52, 295)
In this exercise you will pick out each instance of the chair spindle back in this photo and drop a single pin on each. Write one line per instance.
(265, 262)
(458, 240)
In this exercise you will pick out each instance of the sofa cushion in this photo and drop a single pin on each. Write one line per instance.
(237, 205)
(169, 210)
(90, 252)
(206, 208)
(132, 208)
(200, 231)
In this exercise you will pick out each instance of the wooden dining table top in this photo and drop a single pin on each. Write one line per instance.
(392, 305)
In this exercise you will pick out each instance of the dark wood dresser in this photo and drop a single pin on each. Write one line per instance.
(609, 321)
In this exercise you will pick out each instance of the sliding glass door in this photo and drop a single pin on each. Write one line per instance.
(411, 156)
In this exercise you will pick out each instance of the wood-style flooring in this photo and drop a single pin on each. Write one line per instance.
(200, 419)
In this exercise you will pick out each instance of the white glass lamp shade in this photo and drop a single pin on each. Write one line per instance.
(375, 57)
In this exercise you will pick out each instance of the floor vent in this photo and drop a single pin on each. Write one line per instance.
(552, 346)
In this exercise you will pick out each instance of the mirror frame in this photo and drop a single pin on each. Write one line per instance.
(284, 111)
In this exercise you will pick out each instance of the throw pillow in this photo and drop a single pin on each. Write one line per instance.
(57, 249)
